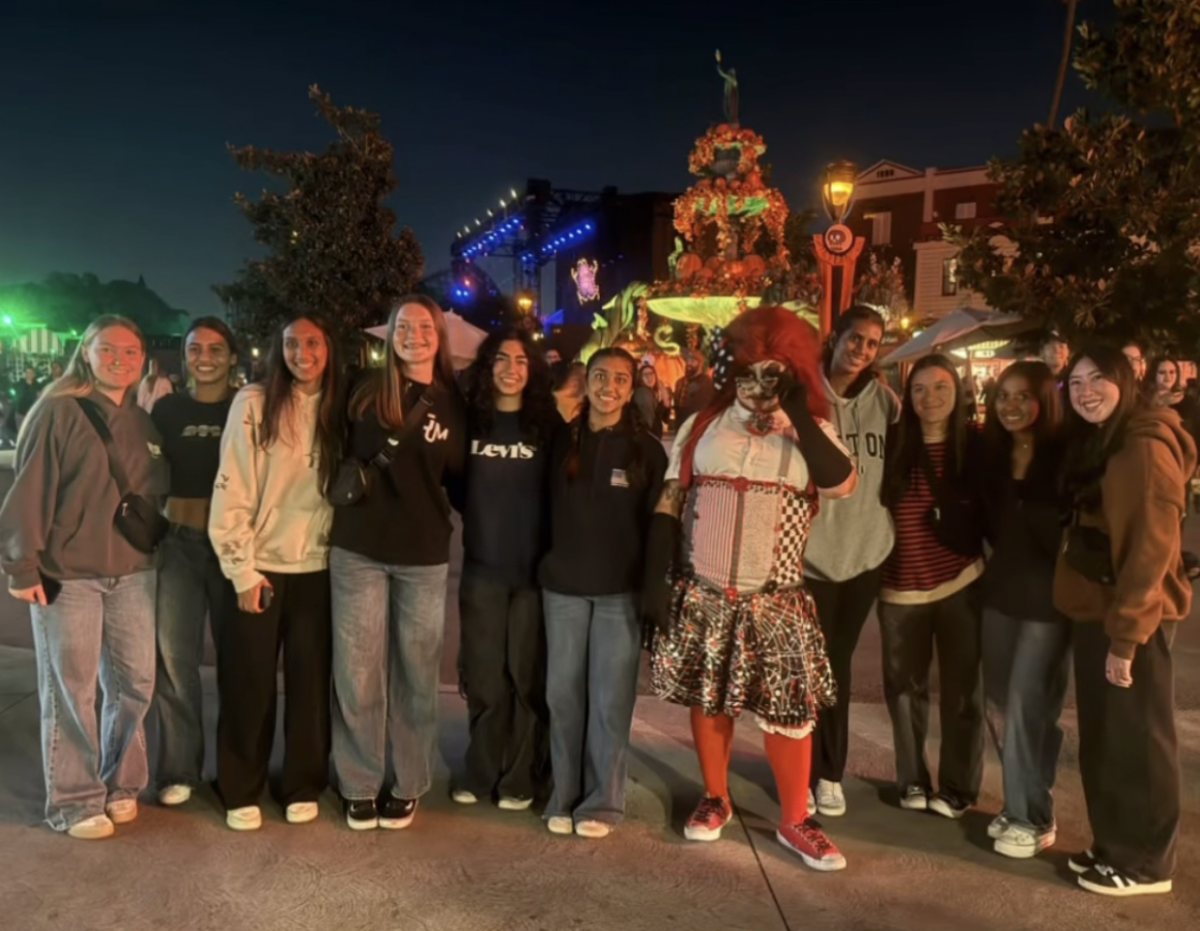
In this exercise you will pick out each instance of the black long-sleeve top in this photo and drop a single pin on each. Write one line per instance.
(404, 518)
(599, 519)
(503, 500)
(1023, 526)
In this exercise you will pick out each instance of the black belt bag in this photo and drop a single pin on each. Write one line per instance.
(137, 519)
(1088, 550)
(352, 479)
(954, 519)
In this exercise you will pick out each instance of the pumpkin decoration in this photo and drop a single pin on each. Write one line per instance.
(754, 266)
(735, 269)
(688, 265)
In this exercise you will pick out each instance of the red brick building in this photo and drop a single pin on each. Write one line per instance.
(898, 209)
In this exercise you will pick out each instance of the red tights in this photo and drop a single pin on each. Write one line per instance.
(790, 759)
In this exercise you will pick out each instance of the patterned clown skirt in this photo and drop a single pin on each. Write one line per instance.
(762, 653)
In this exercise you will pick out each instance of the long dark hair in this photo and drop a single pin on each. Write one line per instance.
(906, 441)
(278, 398)
(1047, 429)
(859, 313)
(631, 420)
(1089, 446)
(539, 413)
(1152, 373)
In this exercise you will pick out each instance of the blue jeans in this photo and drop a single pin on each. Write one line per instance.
(593, 646)
(191, 587)
(388, 623)
(97, 631)
(1025, 665)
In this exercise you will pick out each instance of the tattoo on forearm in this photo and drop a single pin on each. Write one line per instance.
(673, 496)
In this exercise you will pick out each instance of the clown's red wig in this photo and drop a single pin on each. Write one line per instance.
(758, 335)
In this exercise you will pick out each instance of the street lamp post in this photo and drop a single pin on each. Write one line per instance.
(837, 247)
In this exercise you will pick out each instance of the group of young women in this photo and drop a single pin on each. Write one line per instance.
(1055, 531)
(308, 515)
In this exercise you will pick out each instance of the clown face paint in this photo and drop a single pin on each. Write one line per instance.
(758, 387)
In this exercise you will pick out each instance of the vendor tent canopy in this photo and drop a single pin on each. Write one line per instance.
(465, 339)
(961, 330)
(38, 343)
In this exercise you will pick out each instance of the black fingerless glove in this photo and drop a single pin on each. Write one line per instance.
(662, 552)
(828, 466)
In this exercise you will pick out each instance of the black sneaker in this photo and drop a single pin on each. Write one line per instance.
(948, 806)
(1082, 862)
(361, 814)
(396, 813)
(1108, 880)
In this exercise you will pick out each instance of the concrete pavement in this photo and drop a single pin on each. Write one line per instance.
(480, 868)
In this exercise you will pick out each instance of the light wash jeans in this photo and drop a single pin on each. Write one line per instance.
(388, 623)
(191, 588)
(1025, 670)
(593, 648)
(97, 631)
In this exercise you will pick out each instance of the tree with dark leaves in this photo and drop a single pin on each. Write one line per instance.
(331, 241)
(1103, 231)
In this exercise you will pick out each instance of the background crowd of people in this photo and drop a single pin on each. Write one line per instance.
(309, 516)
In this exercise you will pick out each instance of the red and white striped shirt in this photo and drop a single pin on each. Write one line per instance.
(920, 569)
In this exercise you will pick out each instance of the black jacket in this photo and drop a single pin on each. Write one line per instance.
(404, 518)
(1023, 526)
(599, 518)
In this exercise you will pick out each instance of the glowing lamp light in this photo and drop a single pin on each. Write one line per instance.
(837, 189)
(254, 352)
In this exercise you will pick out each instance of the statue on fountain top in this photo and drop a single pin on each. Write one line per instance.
(731, 92)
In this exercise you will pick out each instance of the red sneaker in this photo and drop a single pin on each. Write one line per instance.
(706, 822)
(814, 847)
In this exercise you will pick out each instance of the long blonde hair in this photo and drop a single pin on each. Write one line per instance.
(78, 380)
(384, 391)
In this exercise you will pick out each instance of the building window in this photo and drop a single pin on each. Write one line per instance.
(881, 228)
(949, 277)
(965, 211)
(885, 173)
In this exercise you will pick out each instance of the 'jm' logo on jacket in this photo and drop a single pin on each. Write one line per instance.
(501, 451)
(434, 431)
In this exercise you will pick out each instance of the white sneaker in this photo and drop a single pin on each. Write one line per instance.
(914, 798)
(302, 812)
(1022, 843)
(998, 826)
(122, 811)
(174, 795)
(244, 819)
(512, 803)
(96, 827)
(463, 797)
(593, 829)
(831, 802)
(812, 804)
(560, 824)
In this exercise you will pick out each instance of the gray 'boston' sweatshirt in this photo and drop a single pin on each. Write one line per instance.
(57, 519)
(854, 535)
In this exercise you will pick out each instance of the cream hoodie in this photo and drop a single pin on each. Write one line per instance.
(268, 513)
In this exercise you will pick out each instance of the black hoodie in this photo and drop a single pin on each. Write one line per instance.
(600, 518)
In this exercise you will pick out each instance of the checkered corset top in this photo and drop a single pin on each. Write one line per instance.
(745, 536)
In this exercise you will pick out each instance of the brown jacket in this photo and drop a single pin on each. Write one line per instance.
(1144, 502)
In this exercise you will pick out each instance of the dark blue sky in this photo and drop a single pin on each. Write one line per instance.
(114, 115)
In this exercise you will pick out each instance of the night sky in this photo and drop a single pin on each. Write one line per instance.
(114, 115)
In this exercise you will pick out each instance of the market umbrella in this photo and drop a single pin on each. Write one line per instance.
(465, 339)
(961, 329)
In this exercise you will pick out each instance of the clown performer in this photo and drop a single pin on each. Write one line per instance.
(736, 630)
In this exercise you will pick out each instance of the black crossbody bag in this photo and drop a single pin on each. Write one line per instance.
(352, 480)
(137, 519)
(1088, 550)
